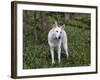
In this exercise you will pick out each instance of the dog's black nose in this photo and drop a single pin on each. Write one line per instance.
(59, 37)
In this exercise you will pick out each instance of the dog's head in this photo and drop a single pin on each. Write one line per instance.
(58, 30)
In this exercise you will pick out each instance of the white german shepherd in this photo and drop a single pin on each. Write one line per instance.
(56, 38)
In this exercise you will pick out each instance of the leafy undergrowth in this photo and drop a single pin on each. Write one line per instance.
(37, 55)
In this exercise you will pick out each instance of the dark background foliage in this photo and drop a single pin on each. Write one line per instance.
(36, 25)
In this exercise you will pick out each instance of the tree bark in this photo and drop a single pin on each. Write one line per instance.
(44, 22)
(35, 26)
(67, 17)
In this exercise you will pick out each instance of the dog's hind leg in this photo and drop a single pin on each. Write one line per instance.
(66, 49)
(52, 55)
(64, 42)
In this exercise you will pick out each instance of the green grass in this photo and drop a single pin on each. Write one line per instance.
(37, 55)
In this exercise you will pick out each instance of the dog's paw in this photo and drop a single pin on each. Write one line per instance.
(67, 55)
(53, 62)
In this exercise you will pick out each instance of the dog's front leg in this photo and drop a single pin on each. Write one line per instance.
(59, 52)
(52, 54)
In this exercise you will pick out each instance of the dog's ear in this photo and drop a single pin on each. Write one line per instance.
(63, 26)
(55, 24)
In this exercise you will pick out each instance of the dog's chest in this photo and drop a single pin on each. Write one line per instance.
(55, 42)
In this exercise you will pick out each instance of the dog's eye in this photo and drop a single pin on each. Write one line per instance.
(60, 32)
(56, 31)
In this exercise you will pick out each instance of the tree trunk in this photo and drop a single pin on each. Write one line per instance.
(67, 17)
(35, 26)
(44, 22)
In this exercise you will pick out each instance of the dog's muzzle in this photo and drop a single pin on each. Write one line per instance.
(58, 37)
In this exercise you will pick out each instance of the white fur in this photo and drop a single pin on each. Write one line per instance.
(56, 38)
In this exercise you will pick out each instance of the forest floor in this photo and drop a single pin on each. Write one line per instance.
(38, 55)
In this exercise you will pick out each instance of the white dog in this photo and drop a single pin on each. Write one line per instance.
(56, 38)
